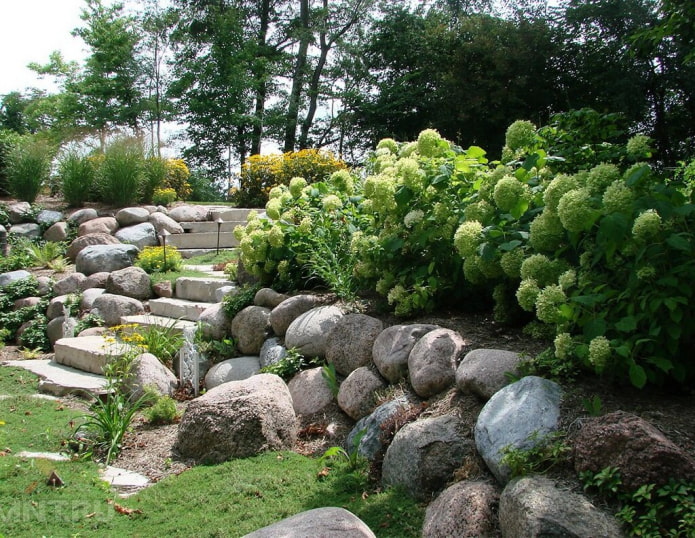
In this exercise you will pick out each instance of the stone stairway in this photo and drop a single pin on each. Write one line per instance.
(200, 237)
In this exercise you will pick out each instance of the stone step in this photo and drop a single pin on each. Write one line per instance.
(199, 288)
(231, 213)
(88, 353)
(60, 380)
(211, 227)
(149, 320)
(124, 482)
(177, 308)
(190, 252)
(202, 240)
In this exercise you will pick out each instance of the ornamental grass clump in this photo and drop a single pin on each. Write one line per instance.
(122, 172)
(28, 167)
(77, 174)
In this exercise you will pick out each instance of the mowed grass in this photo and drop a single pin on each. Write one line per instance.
(15, 381)
(227, 500)
(225, 256)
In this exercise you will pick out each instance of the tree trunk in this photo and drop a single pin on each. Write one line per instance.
(261, 82)
(298, 78)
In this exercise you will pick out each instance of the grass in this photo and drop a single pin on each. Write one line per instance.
(171, 276)
(211, 258)
(226, 500)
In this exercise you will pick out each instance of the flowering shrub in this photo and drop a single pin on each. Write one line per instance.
(163, 196)
(177, 174)
(260, 173)
(152, 260)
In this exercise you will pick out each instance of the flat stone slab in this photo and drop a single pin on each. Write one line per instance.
(51, 456)
(199, 288)
(177, 308)
(88, 353)
(125, 482)
(231, 213)
(60, 380)
(202, 240)
(211, 227)
(149, 320)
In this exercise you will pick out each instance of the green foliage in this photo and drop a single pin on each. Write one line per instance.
(593, 406)
(122, 172)
(18, 257)
(163, 196)
(234, 303)
(289, 365)
(163, 411)
(77, 175)
(546, 453)
(151, 260)
(650, 510)
(352, 458)
(8, 140)
(329, 374)
(12, 320)
(34, 335)
(204, 188)
(28, 166)
(46, 253)
(87, 321)
(156, 171)
(216, 350)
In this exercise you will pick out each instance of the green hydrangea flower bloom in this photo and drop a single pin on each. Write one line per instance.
(646, 225)
(539, 268)
(481, 211)
(408, 149)
(639, 147)
(508, 191)
(567, 279)
(556, 189)
(520, 134)
(527, 293)
(548, 304)
(413, 217)
(599, 352)
(410, 173)
(511, 262)
(601, 176)
(304, 227)
(273, 208)
(239, 232)
(546, 232)
(331, 203)
(388, 143)
(297, 184)
(275, 192)
(276, 237)
(342, 180)
(428, 143)
(575, 211)
(471, 270)
(564, 346)
(490, 268)
(618, 198)
(467, 238)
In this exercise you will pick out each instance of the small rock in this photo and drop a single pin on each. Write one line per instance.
(109, 258)
(484, 371)
(45, 285)
(112, 307)
(97, 280)
(149, 372)
(25, 302)
(48, 217)
(327, 522)
(83, 215)
(162, 222)
(432, 362)
(214, 322)
(73, 283)
(163, 289)
(310, 392)
(189, 213)
(272, 351)
(222, 292)
(356, 395)
(89, 296)
(309, 332)
(250, 328)
(349, 344)
(84, 241)
(13, 276)
(128, 216)
(289, 310)
(19, 212)
(393, 346)
(141, 235)
(28, 229)
(370, 428)
(235, 369)
(57, 232)
(465, 510)
(102, 225)
(131, 281)
(268, 297)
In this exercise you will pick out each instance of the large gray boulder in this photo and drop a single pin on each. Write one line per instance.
(13, 276)
(370, 428)
(105, 258)
(97, 280)
(79, 243)
(310, 392)
(269, 298)
(432, 362)
(424, 454)
(131, 281)
(89, 296)
(149, 372)
(129, 216)
(83, 215)
(238, 419)
(272, 351)
(520, 416)
(141, 235)
(47, 217)
(19, 212)
(235, 369)
(102, 225)
(214, 322)
(28, 229)
(56, 306)
(484, 371)
(112, 307)
(309, 332)
(189, 213)
(356, 395)
(534, 506)
(329, 522)
(73, 283)
(289, 310)
(250, 328)
(392, 348)
(56, 232)
(349, 344)
(466, 510)
(162, 222)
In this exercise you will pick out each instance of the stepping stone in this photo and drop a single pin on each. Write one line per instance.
(88, 353)
(231, 213)
(52, 456)
(202, 240)
(125, 482)
(211, 227)
(199, 288)
(149, 320)
(60, 380)
(177, 308)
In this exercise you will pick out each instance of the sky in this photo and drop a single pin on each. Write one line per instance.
(29, 31)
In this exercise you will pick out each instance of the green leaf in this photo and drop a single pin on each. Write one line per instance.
(393, 244)
(510, 245)
(403, 195)
(478, 153)
(595, 327)
(462, 164)
(588, 300)
(679, 242)
(636, 176)
(626, 324)
(519, 209)
(638, 376)
(662, 364)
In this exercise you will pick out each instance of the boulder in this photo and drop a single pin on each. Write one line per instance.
(642, 453)
(48, 217)
(84, 241)
(54, 329)
(424, 454)
(329, 522)
(268, 297)
(57, 232)
(128, 216)
(99, 225)
(222, 292)
(89, 296)
(57, 305)
(356, 394)
(272, 351)
(432, 362)
(231, 370)
(534, 506)
(112, 307)
(214, 322)
(309, 332)
(149, 372)
(73, 283)
(467, 510)
(28, 229)
(13, 276)
(163, 289)
(19, 212)
(108, 258)
(393, 346)
(238, 419)
(483, 371)
(520, 415)
(289, 310)
(94, 331)
(310, 392)
(45, 285)
(250, 328)
(189, 213)
(131, 281)
(97, 280)
(370, 428)
(349, 344)
(141, 235)
(162, 222)
(83, 215)
(25, 302)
